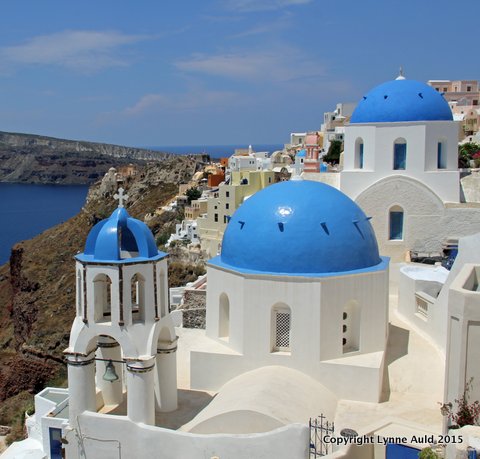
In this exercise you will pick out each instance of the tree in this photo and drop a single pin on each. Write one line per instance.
(192, 194)
(466, 152)
(333, 153)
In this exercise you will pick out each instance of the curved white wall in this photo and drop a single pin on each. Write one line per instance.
(427, 221)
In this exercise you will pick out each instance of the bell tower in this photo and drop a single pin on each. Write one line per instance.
(122, 340)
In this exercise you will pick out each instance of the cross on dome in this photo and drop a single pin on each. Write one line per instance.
(400, 75)
(121, 197)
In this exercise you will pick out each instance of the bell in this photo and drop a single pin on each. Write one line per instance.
(110, 373)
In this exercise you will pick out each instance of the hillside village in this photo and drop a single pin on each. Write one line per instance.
(340, 303)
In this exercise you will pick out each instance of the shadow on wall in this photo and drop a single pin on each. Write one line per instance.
(397, 347)
(190, 403)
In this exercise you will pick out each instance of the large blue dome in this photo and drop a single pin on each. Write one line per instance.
(299, 228)
(402, 100)
(120, 239)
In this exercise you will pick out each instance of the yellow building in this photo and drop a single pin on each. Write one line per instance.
(223, 204)
(195, 209)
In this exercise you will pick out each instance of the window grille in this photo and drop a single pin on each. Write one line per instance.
(282, 331)
(423, 301)
(422, 307)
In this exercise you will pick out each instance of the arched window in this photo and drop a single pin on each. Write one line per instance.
(281, 328)
(441, 155)
(79, 293)
(224, 317)
(358, 161)
(102, 291)
(399, 154)
(395, 223)
(164, 307)
(351, 327)
(137, 290)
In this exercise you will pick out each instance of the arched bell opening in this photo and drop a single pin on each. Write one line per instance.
(102, 292)
(109, 372)
(137, 292)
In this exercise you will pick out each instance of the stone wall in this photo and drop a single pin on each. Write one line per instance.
(194, 309)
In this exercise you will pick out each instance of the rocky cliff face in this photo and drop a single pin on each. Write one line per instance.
(37, 286)
(37, 159)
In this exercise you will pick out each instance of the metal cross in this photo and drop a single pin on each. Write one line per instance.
(121, 197)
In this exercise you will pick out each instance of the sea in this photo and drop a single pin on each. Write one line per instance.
(27, 210)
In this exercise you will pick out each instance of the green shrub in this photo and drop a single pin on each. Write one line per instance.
(428, 453)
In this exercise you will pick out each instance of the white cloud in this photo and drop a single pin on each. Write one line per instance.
(81, 50)
(276, 65)
(284, 22)
(147, 102)
(250, 6)
(194, 99)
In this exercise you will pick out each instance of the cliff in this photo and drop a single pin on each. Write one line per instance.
(31, 158)
(37, 286)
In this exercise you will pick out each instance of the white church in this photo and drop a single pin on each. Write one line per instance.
(401, 167)
(303, 318)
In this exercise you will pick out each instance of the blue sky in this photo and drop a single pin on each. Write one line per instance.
(192, 72)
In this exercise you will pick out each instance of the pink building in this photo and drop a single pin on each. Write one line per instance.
(312, 147)
(462, 97)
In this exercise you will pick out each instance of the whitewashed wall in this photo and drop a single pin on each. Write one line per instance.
(421, 161)
(463, 345)
(430, 281)
(316, 306)
(111, 437)
(427, 222)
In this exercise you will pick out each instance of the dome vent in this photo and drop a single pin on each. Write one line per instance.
(402, 100)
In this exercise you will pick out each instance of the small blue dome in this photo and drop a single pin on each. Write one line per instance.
(298, 227)
(402, 100)
(302, 154)
(120, 239)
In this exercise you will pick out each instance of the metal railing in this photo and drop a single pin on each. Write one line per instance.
(319, 428)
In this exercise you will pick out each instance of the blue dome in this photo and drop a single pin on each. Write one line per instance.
(302, 154)
(299, 228)
(120, 239)
(402, 100)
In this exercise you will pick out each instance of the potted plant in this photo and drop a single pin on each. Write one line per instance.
(465, 413)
